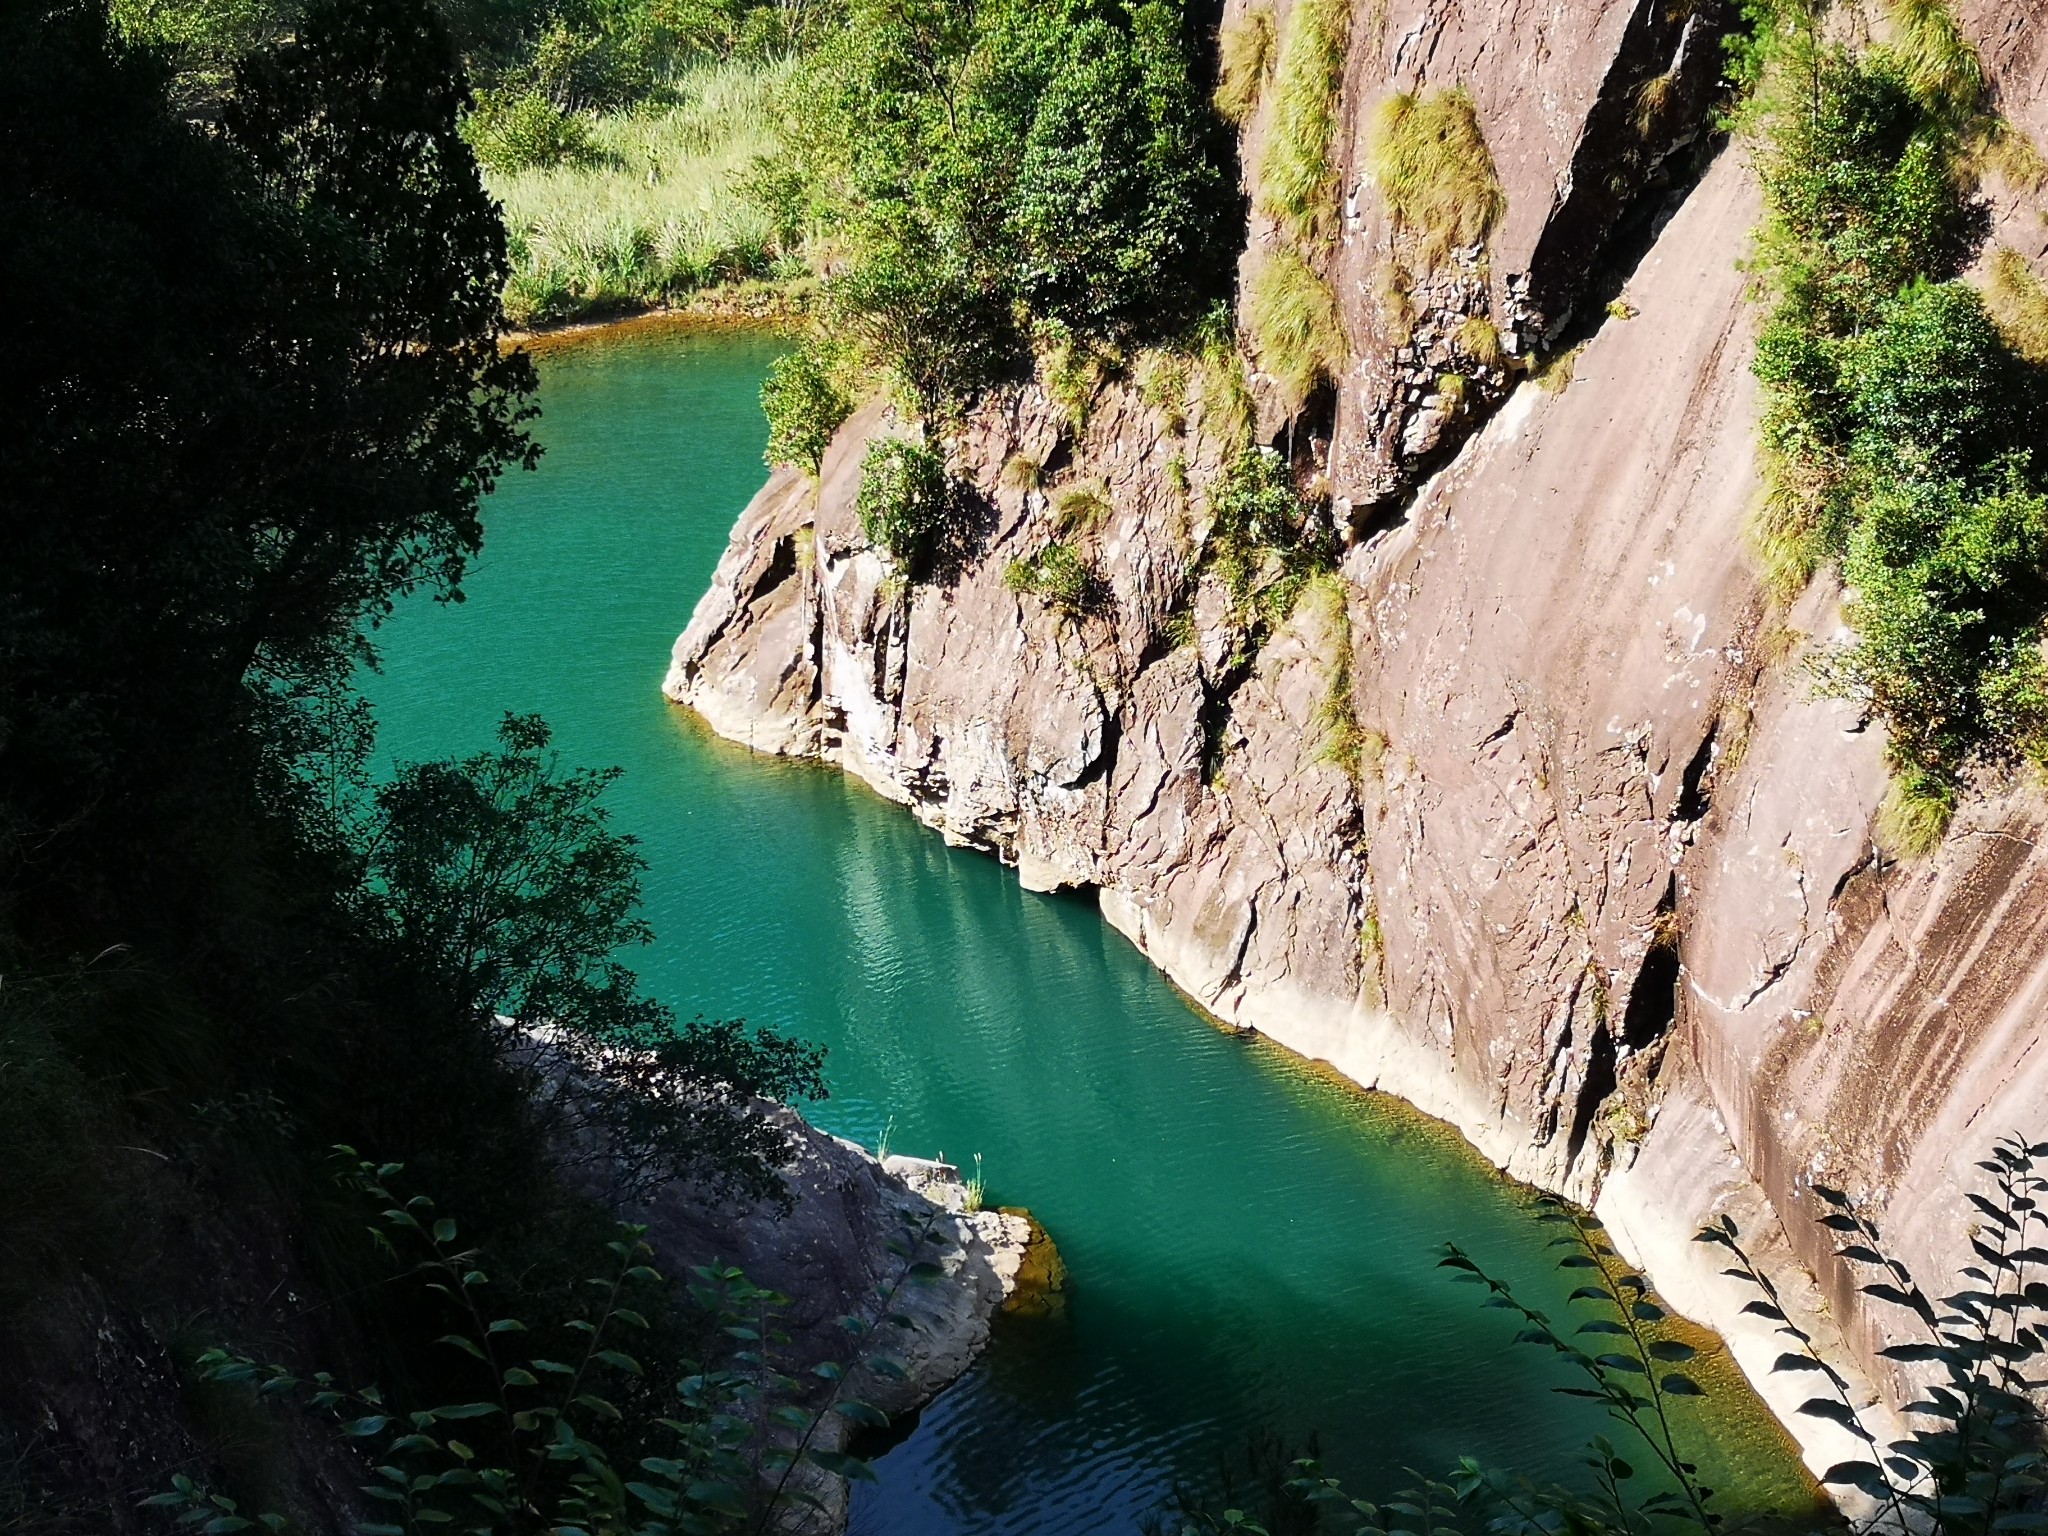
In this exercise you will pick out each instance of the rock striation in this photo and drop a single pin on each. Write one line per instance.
(1531, 816)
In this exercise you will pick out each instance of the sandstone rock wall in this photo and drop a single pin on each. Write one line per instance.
(1601, 891)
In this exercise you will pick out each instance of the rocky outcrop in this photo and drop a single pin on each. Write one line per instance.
(1532, 815)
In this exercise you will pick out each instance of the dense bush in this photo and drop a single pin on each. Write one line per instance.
(904, 500)
(1054, 159)
(525, 131)
(1901, 426)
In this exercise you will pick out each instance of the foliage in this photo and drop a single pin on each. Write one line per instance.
(525, 131)
(1245, 62)
(978, 164)
(1971, 1462)
(664, 200)
(1430, 161)
(1296, 334)
(1899, 423)
(1297, 182)
(499, 878)
(558, 1404)
(806, 400)
(1631, 1362)
(1060, 576)
(904, 500)
(1264, 542)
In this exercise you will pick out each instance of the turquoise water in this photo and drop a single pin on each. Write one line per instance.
(1251, 1243)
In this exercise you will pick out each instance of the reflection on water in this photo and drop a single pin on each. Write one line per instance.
(1250, 1243)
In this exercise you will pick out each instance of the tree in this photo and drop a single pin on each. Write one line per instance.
(499, 879)
(267, 392)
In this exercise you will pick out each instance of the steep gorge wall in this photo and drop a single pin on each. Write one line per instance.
(1602, 892)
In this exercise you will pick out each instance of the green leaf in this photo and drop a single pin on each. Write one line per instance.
(457, 1341)
(861, 1413)
(619, 1362)
(364, 1427)
(515, 1376)
(507, 1325)
(466, 1411)
(839, 1464)
(1676, 1385)
(444, 1231)
(1672, 1351)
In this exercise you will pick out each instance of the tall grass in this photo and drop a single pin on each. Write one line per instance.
(1245, 50)
(657, 209)
(1432, 165)
(1295, 330)
(1297, 182)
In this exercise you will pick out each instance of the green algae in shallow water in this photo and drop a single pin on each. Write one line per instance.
(1250, 1242)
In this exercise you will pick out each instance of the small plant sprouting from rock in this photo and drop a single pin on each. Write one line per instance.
(1339, 741)
(1060, 577)
(977, 1189)
(1163, 379)
(1479, 339)
(1083, 509)
(1023, 473)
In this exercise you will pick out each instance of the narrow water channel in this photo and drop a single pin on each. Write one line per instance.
(1251, 1243)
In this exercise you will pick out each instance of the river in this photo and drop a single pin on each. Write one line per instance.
(1251, 1241)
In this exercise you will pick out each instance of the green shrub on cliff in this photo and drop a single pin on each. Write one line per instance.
(904, 500)
(1902, 428)
(806, 399)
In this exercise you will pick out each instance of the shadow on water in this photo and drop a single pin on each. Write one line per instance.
(1251, 1243)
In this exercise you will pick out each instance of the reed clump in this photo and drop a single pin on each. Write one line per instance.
(653, 207)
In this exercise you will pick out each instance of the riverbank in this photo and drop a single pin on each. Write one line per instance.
(1252, 1242)
(769, 308)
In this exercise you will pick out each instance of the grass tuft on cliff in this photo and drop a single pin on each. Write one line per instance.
(1297, 181)
(1429, 158)
(2019, 305)
(1295, 330)
(1244, 63)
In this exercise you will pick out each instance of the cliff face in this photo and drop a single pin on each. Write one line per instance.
(1591, 876)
